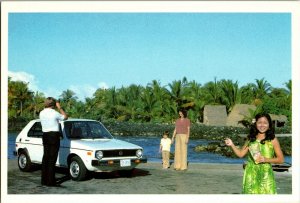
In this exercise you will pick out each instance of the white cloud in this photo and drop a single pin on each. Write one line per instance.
(103, 85)
(52, 92)
(81, 91)
(33, 83)
(86, 90)
(25, 77)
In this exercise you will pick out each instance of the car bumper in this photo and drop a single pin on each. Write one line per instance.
(97, 163)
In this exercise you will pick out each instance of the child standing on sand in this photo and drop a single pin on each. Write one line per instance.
(165, 146)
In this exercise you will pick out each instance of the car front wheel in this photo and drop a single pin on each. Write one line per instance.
(77, 169)
(24, 162)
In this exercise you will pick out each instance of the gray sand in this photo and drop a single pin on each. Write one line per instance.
(148, 178)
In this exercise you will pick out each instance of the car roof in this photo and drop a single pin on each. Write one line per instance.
(79, 119)
(70, 119)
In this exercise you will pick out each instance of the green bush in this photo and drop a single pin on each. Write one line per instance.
(215, 134)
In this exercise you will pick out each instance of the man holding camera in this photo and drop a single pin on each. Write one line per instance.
(51, 138)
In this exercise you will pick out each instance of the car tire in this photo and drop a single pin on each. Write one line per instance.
(24, 162)
(77, 169)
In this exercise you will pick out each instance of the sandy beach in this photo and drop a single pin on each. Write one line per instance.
(148, 178)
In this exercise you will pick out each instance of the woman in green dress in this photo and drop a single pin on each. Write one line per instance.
(263, 149)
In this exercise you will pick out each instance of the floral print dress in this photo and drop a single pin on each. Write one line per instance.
(259, 178)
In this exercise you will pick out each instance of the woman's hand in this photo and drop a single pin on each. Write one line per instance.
(260, 159)
(239, 152)
(228, 142)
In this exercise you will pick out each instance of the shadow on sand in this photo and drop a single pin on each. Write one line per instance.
(62, 174)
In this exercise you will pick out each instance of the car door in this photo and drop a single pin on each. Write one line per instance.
(34, 143)
(64, 150)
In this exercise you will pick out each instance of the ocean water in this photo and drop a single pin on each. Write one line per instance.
(151, 150)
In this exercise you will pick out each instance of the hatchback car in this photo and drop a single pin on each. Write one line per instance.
(85, 145)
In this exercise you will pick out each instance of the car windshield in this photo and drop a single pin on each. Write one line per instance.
(86, 130)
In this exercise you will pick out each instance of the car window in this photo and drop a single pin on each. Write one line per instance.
(98, 130)
(86, 130)
(36, 130)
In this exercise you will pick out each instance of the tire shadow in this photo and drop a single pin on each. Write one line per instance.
(101, 175)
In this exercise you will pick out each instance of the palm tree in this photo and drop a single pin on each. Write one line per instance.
(129, 101)
(277, 101)
(150, 106)
(288, 85)
(69, 99)
(231, 94)
(12, 96)
(112, 104)
(161, 96)
(195, 100)
(170, 111)
(289, 98)
(212, 92)
(177, 91)
(261, 88)
(38, 103)
(24, 95)
(248, 94)
(99, 106)
(160, 93)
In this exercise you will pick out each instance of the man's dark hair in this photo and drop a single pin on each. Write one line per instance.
(50, 102)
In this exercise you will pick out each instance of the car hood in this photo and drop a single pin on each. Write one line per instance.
(102, 144)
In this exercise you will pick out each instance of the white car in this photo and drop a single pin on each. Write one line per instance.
(85, 145)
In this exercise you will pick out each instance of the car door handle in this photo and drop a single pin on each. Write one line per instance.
(27, 140)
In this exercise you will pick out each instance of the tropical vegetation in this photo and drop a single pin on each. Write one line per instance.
(150, 110)
(153, 103)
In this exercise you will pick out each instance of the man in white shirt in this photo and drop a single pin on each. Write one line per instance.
(51, 139)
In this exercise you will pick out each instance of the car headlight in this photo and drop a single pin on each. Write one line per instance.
(99, 155)
(139, 153)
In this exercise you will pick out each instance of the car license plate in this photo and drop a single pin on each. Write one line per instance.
(125, 162)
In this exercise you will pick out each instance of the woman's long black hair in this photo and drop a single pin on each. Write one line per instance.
(184, 112)
(270, 133)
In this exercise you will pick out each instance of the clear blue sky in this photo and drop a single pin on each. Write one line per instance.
(82, 52)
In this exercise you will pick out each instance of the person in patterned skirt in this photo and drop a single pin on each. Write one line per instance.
(263, 149)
